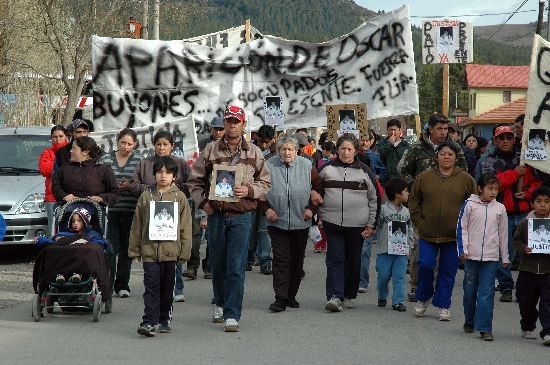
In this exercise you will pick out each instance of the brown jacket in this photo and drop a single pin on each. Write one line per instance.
(255, 176)
(159, 251)
(435, 203)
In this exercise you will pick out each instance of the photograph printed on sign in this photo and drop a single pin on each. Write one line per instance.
(538, 235)
(536, 149)
(445, 42)
(273, 108)
(223, 181)
(347, 121)
(397, 238)
(163, 221)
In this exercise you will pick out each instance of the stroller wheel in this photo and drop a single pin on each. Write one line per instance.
(109, 305)
(97, 308)
(36, 308)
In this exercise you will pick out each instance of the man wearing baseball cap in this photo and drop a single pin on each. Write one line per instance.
(80, 128)
(517, 182)
(229, 222)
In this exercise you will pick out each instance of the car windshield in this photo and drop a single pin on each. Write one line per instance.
(19, 153)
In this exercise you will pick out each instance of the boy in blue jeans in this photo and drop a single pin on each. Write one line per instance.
(393, 247)
(152, 243)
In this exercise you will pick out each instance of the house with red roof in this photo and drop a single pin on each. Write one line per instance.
(497, 94)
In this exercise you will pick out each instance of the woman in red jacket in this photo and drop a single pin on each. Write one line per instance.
(59, 138)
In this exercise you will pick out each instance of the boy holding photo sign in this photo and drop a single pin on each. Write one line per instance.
(160, 236)
(394, 239)
(533, 284)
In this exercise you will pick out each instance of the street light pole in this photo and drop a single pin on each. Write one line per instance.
(156, 19)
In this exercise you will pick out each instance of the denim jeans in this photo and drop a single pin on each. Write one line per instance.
(50, 208)
(365, 263)
(479, 294)
(448, 266)
(228, 246)
(259, 242)
(178, 288)
(392, 267)
(504, 275)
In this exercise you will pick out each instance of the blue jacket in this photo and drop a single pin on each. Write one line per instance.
(376, 165)
(90, 235)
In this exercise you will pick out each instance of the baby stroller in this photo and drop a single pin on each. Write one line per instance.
(74, 254)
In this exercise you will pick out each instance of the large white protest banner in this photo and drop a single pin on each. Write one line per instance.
(537, 116)
(447, 41)
(183, 130)
(144, 82)
(232, 37)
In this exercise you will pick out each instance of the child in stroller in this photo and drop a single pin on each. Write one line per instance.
(77, 251)
(79, 225)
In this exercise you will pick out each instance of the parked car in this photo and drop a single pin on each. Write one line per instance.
(21, 185)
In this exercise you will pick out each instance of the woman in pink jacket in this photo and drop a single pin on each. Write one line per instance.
(482, 240)
(58, 135)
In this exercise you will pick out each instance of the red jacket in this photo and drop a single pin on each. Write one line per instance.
(45, 165)
(509, 180)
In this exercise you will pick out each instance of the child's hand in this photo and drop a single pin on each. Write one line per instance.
(505, 265)
(463, 257)
(527, 250)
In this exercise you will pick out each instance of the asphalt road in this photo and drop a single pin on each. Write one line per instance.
(309, 335)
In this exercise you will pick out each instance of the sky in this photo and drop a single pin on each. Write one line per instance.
(428, 8)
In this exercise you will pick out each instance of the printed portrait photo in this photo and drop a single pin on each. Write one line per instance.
(273, 108)
(225, 182)
(164, 214)
(347, 121)
(536, 139)
(445, 42)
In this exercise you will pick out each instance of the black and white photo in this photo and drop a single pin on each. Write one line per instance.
(223, 181)
(163, 221)
(273, 110)
(397, 238)
(538, 235)
(536, 148)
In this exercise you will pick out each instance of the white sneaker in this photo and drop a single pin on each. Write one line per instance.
(349, 303)
(123, 293)
(217, 314)
(420, 308)
(179, 298)
(444, 314)
(546, 340)
(334, 305)
(362, 290)
(231, 325)
(529, 335)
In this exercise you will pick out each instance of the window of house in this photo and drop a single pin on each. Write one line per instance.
(474, 101)
(506, 96)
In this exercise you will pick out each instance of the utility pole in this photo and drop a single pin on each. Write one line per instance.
(445, 101)
(541, 16)
(156, 19)
(145, 27)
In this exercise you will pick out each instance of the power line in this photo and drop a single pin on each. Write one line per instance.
(508, 19)
(465, 15)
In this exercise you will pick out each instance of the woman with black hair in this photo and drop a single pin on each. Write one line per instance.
(46, 161)
(84, 176)
(123, 161)
(436, 198)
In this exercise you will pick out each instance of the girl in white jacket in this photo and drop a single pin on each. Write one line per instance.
(482, 240)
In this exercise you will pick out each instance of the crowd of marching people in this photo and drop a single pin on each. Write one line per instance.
(424, 209)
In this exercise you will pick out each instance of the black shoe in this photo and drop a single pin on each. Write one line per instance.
(207, 275)
(293, 303)
(248, 267)
(468, 328)
(506, 297)
(165, 328)
(278, 306)
(400, 307)
(411, 296)
(382, 303)
(146, 329)
(190, 273)
(266, 270)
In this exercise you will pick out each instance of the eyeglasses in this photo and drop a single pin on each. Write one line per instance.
(505, 137)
